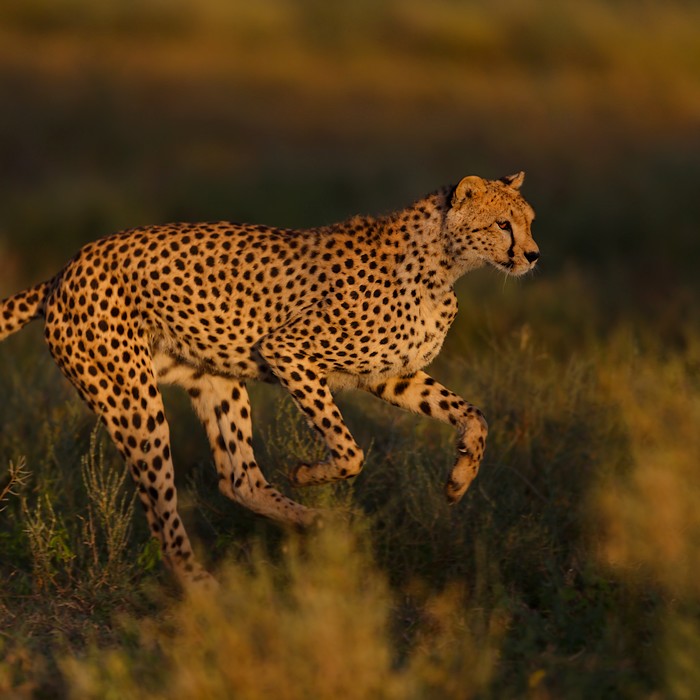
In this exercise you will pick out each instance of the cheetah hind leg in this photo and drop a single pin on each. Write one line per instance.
(223, 407)
(142, 437)
(147, 456)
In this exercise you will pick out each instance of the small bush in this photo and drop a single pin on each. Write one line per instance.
(314, 623)
(90, 551)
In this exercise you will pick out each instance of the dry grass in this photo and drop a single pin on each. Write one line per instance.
(314, 623)
(651, 510)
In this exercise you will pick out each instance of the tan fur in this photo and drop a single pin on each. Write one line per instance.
(366, 303)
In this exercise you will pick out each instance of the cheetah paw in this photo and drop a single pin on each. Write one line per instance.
(201, 583)
(305, 475)
(461, 477)
(321, 473)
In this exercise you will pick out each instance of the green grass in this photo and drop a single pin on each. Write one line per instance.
(569, 569)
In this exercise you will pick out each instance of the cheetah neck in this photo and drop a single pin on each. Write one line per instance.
(425, 255)
(456, 258)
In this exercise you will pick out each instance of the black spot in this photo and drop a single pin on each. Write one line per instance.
(400, 388)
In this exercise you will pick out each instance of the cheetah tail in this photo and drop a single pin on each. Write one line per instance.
(18, 310)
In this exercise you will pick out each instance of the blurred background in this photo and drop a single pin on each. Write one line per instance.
(582, 533)
(119, 113)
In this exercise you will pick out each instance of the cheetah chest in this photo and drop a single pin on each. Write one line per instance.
(398, 338)
(432, 321)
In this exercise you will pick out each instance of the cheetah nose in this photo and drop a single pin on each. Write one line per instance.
(532, 256)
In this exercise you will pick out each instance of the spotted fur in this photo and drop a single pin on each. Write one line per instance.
(365, 303)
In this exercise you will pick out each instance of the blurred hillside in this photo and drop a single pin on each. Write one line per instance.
(116, 114)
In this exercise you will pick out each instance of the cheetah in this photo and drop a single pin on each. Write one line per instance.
(363, 304)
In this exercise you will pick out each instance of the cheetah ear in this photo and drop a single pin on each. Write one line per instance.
(468, 188)
(514, 181)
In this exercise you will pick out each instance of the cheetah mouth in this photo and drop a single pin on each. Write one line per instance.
(508, 267)
(511, 268)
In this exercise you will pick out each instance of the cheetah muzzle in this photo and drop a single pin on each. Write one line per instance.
(361, 304)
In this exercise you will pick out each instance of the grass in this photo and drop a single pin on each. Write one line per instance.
(568, 569)
(334, 611)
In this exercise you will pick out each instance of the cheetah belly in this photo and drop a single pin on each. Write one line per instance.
(222, 344)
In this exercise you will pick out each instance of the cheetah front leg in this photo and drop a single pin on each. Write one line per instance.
(303, 378)
(420, 393)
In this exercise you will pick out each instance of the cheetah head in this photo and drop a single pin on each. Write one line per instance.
(488, 222)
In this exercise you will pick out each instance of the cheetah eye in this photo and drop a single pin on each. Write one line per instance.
(504, 225)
